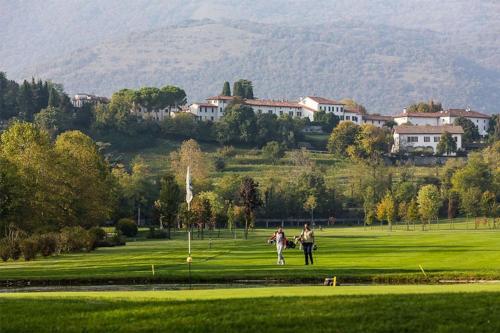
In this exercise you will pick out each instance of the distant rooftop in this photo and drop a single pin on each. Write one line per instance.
(428, 129)
(322, 100)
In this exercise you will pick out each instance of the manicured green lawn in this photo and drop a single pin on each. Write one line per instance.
(463, 308)
(348, 253)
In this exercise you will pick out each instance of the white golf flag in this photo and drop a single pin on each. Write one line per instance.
(189, 187)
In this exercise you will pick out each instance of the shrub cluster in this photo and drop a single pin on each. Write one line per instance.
(68, 240)
(127, 227)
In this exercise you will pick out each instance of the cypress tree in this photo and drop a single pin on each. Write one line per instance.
(25, 104)
(53, 97)
(237, 89)
(226, 90)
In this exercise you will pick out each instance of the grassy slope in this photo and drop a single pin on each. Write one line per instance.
(249, 162)
(351, 253)
(469, 308)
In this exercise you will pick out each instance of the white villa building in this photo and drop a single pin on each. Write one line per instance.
(155, 114)
(408, 138)
(376, 120)
(80, 99)
(304, 108)
(446, 117)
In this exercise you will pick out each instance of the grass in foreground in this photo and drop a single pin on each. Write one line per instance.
(354, 253)
(464, 308)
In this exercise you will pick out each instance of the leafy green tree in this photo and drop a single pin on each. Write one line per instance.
(168, 201)
(352, 104)
(390, 124)
(237, 125)
(273, 151)
(136, 190)
(28, 149)
(243, 89)
(202, 211)
(267, 128)
(11, 201)
(369, 205)
(343, 136)
(425, 107)
(228, 187)
(404, 191)
(226, 90)
(309, 205)
(489, 204)
(429, 202)
(250, 200)
(387, 210)
(88, 178)
(25, 102)
(471, 133)
(476, 173)
(494, 128)
(371, 143)
(53, 120)
(190, 154)
(470, 201)
(327, 121)
(452, 197)
(217, 207)
(447, 145)
(412, 212)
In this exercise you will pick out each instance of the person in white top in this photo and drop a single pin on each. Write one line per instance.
(279, 238)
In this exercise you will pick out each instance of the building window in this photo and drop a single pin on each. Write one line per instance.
(455, 138)
(341, 117)
(427, 139)
(212, 118)
(290, 113)
(347, 117)
(220, 109)
(212, 110)
(270, 111)
(329, 108)
(299, 114)
(413, 139)
(354, 118)
(436, 139)
(281, 113)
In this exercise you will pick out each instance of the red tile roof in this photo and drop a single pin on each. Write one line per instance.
(446, 113)
(420, 114)
(376, 117)
(322, 100)
(221, 98)
(272, 103)
(356, 110)
(208, 105)
(464, 113)
(428, 129)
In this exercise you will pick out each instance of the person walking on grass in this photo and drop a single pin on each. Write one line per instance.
(280, 240)
(307, 239)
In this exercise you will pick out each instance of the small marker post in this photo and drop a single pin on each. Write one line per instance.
(153, 269)
(422, 269)
(334, 281)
